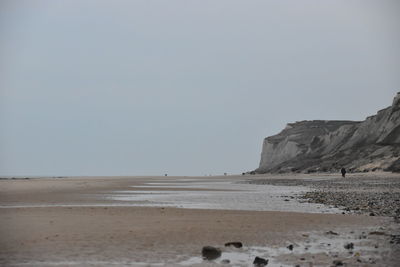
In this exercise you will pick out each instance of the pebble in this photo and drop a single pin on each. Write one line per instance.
(349, 246)
(377, 233)
(338, 263)
(234, 244)
(331, 233)
(210, 253)
(373, 196)
(259, 262)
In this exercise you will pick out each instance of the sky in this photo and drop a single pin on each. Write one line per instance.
(182, 87)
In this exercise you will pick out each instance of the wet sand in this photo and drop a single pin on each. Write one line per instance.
(67, 222)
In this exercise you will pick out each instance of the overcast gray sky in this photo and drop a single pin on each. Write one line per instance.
(182, 87)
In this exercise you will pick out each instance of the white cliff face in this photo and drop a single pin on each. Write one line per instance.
(282, 152)
(328, 145)
(300, 139)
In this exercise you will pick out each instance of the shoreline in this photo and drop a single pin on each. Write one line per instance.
(169, 235)
(149, 236)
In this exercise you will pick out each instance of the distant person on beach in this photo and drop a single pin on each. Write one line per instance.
(343, 171)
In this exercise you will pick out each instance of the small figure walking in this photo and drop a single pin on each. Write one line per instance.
(343, 171)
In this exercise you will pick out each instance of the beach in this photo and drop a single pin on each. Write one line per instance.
(165, 221)
(199, 133)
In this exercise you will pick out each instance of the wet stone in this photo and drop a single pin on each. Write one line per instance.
(349, 246)
(395, 239)
(337, 263)
(259, 262)
(210, 253)
(377, 233)
(234, 244)
(331, 233)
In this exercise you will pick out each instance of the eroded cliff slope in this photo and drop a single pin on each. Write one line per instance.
(309, 146)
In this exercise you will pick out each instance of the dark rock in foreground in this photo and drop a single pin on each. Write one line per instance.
(259, 262)
(337, 263)
(210, 253)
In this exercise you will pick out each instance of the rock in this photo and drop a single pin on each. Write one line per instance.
(210, 253)
(363, 236)
(225, 261)
(395, 239)
(356, 196)
(290, 247)
(349, 246)
(320, 146)
(331, 233)
(234, 244)
(259, 262)
(377, 233)
(337, 263)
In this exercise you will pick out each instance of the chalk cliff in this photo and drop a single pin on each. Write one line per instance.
(310, 146)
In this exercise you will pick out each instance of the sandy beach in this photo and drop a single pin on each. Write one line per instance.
(199, 133)
(83, 221)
